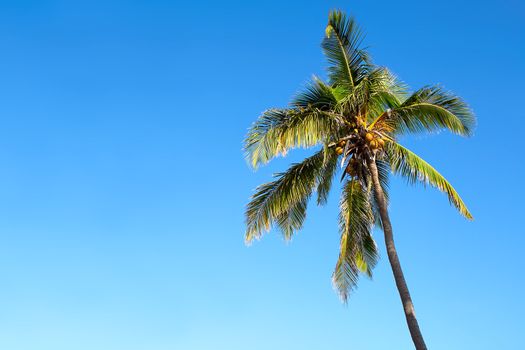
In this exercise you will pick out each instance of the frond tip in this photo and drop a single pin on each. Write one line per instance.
(415, 169)
(341, 48)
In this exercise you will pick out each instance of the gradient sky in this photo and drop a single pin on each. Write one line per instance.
(123, 185)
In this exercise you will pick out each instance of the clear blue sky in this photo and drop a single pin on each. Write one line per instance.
(122, 181)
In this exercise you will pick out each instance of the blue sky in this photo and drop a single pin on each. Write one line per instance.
(122, 181)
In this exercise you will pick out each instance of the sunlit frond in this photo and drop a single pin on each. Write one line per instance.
(279, 130)
(319, 95)
(377, 91)
(291, 220)
(358, 251)
(283, 201)
(326, 176)
(341, 47)
(415, 169)
(385, 92)
(432, 109)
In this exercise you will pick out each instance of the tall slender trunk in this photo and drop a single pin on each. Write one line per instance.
(401, 284)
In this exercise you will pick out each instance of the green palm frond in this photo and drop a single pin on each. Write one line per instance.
(415, 169)
(291, 220)
(341, 47)
(326, 176)
(378, 90)
(283, 201)
(279, 130)
(433, 109)
(319, 95)
(358, 251)
(386, 92)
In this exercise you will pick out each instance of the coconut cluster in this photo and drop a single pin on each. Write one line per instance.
(361, 142)
(339, 148)
(374, 141)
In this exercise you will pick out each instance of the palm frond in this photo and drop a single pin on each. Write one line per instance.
(326, 176)
(341, 47)
(319, 95)
(358, 251)
(415, 169)
(385, 91)
(283, 201)
(291, 220)
(377, 91)
(432, 109)
(279, 130)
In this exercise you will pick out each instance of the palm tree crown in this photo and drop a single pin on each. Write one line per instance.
(355, 118)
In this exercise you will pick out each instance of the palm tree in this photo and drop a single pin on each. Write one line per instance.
(355, 119)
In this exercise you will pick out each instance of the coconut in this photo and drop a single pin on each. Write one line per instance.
(369, 136)
(374, 144)
(341, 143)
(338, 150)
(381, 142)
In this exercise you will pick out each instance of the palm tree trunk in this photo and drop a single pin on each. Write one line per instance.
(402, 287)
